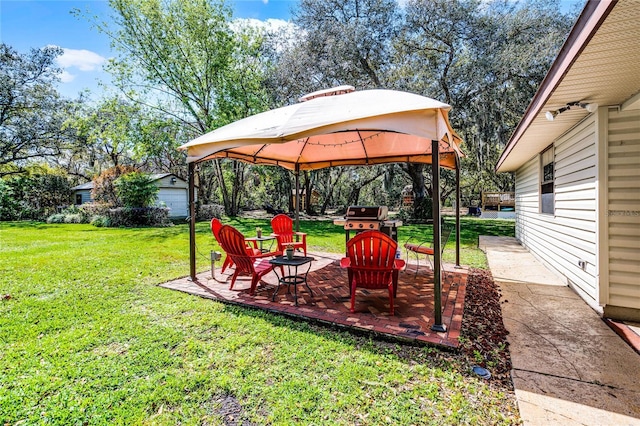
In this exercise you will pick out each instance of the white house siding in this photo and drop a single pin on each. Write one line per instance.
(623, 213)
(85, 194)
(563, 239)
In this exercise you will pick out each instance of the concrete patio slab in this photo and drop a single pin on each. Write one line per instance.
(569, 367)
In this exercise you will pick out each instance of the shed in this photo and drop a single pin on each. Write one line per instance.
(576, 158)
(172, 193)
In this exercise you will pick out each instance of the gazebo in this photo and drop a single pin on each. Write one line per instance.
(341, 127)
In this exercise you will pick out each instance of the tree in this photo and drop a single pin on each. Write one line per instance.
(34, 194)
(104, 188)
(338, 42)
(136, 189)
(484, 59)
(31, 111)
(107, 131)
(183, 58)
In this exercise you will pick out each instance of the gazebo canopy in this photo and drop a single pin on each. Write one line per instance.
(355, 128)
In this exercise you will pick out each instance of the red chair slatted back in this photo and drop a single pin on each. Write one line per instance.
(232, 241)
(372, 256)
(282, 225)
(215, 227)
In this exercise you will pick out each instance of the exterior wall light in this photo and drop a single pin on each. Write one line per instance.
(551, 115)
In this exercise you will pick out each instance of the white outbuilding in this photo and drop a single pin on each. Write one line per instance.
(172, 193)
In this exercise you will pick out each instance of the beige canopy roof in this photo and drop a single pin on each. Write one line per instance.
(357, 128)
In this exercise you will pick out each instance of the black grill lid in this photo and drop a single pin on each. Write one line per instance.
(367, 212)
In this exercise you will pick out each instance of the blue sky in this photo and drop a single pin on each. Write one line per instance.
(26, 24)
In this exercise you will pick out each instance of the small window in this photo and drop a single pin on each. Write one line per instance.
(78, 199)
(547, 199)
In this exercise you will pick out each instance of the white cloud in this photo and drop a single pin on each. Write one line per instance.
(84, 60)
(265, 1)
(66, 77)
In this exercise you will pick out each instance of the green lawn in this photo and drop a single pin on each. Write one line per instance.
(86, 337)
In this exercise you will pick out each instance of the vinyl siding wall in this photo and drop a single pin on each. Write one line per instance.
(85, 194)
(622, 218)
(563, 239)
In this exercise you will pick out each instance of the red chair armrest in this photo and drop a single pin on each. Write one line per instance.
(253, 251)
(399, 264)
(262, 255)
(345, 262)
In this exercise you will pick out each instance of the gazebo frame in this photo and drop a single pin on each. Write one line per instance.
(384, 126)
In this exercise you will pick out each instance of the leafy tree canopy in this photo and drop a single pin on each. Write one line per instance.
(31, 111)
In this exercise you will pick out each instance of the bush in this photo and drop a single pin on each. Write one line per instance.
(74, 218)
(56, 218)
(209, 211)
(94, 209)
(9, 207)
(33, 195)
(72, 214)
(138, 216)
(100, 221)
(136, 190)
(104, 190)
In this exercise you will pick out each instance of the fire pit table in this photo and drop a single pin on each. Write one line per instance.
(292, 276)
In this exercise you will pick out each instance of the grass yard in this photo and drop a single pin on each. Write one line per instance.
(86, 337)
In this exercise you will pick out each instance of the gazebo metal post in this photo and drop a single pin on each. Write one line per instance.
(192, 222)
(437, 282)
(297, 173)
(457, 210)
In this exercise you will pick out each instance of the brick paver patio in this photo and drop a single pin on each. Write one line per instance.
(330, 303)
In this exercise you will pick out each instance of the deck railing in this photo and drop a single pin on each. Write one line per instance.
(498, 200)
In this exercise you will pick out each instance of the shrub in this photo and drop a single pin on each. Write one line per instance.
(138, 216)
(100, 221)
(104, 190)
(136, 190)
(34, 195)
(209, 211)
(74, 218)
(9, 207)
(94, 209)
(56, 218)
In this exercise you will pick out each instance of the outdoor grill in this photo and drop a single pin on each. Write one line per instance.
(365, 218)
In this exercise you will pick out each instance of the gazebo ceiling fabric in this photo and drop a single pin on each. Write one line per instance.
(358, 128)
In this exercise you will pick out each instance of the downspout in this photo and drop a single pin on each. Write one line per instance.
(192, 222)
(437, 282)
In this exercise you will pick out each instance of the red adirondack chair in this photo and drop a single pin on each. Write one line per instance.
(255, 265)
(216, 225)
(371, 264)
(282, 226)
